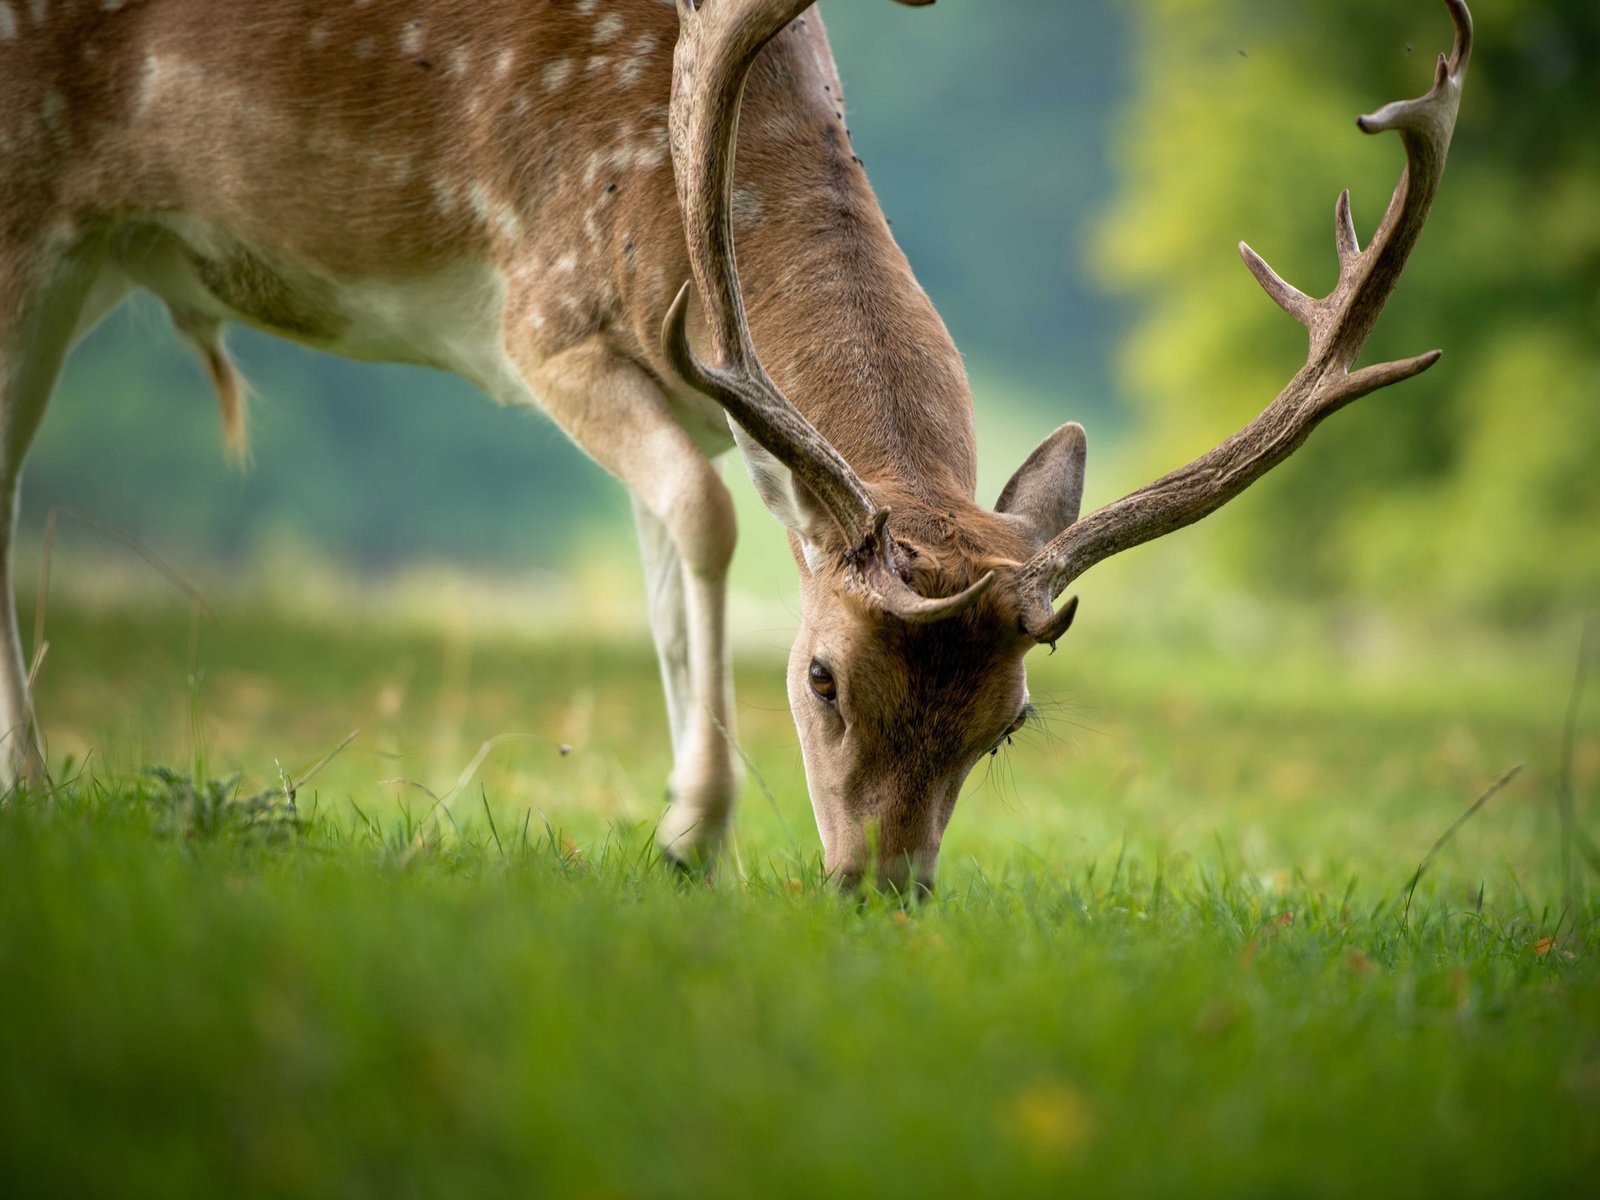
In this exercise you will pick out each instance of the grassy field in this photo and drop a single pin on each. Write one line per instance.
(1170, 952)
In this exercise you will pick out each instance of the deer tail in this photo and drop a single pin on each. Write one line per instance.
(206, 336)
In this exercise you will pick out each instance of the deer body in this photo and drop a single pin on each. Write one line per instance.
(457, 185)
(517, 193)
(487, 189)
(442, 183)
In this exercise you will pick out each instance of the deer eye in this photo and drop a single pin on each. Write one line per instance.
(822, 683)
(1023, 718)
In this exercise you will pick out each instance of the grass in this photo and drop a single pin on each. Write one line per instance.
(1170, 952)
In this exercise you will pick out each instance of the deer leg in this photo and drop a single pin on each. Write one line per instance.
(618, 415)
(42, 308)
(665, 593)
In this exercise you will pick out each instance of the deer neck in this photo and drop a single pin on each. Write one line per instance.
(846, 332)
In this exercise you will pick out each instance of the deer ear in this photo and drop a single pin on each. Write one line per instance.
(785, 497)
(1046, 493)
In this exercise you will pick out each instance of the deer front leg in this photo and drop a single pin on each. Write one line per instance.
(618, 415)
(686, 619)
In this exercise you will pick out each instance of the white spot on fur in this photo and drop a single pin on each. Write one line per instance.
(585, 7)
(444, 196)
(633, 69)
(607, 29)
(536, 320)
(490, 212)
(8, 22)
(567, 263)
(651, 154)
(478, 197)
(38, 10)
(746, 206)
(504, 61)
(507, 222)
(112, 5)
(556, 73)
(460, 59)
(411, 38)
(519, 106)
(149, 81)
(642, 155)
(317, 37)
(596, 64)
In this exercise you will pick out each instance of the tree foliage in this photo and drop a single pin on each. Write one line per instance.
(1477, 485)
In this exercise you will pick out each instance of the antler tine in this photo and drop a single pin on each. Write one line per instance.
(1338, 325)
(1344, 231)
(718, 41)
(1289, 298)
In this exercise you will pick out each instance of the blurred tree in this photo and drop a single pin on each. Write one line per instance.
(1478, 484)
(986, 129)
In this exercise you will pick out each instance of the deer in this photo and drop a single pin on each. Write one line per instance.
(545, 198)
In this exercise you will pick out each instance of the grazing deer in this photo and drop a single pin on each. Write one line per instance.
(518, 193)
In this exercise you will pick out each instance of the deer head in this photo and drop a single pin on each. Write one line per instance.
(918, 606)
(894, 712)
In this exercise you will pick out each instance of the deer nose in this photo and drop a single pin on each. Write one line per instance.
(848, 880)
(901, 874)
(907, 875)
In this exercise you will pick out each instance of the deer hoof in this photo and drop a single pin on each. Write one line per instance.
(690, 834)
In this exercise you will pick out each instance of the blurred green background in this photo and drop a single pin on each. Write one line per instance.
(1069, 181)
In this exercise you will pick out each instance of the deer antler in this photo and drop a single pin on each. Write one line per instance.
(1338, 325)
(718, 42)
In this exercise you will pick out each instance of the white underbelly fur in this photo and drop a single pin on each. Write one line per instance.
(450, 320)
